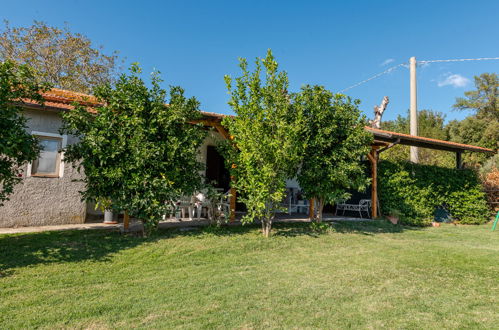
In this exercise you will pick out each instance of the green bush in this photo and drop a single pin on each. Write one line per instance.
(417, 190)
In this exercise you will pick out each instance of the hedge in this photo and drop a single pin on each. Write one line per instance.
(415, 191)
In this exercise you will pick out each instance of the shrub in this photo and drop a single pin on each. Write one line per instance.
(417, 190)
(490, 172)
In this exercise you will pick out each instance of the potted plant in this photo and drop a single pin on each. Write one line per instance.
(394, 216)
(105, 205)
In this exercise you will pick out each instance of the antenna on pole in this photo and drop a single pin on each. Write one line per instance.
(414, 107)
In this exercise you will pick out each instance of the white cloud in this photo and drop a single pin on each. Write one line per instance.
(454, 80)
(387, 61)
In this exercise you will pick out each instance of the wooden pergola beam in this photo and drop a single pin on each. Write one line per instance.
(373, 158)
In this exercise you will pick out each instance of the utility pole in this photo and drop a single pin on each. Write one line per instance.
(414, 108)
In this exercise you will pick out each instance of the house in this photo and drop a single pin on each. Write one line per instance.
(49, 195)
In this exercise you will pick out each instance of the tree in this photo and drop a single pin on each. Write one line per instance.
(137, 153)
(431, 124)
(482, 128)
(484, 101)
(266, 134)
(64, 59)
(17, 146)
(335, 143)
(475, 131)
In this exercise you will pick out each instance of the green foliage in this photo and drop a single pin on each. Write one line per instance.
(267, 133)
(490, 165)
(66, 60)
(430, 124)
(135, 151)
(320, 227)
(481, 129)
(475, 131)
(335, 141)
(484, 101)
(416, 190)
(17, 146)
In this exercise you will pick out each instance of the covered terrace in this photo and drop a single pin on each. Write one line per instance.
(383, 140)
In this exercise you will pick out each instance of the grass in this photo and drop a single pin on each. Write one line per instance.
(366, 275)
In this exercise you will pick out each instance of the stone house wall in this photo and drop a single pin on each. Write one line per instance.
(38, 201)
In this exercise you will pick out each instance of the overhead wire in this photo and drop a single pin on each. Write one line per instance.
(422, 62)
(460, 60)
(373, 77)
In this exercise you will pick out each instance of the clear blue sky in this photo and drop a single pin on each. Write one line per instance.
(333, 43)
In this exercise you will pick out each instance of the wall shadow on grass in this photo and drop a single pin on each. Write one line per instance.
(22, 250)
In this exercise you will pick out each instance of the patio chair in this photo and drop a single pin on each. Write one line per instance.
(186, 204)
(364, 205)
(201, 203)
(224, 203)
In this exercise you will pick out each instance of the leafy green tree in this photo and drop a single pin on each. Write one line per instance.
(267, 133)
(484, 101)
(474, 131)
(66, 60)
(136, 152)
(482, 128)
(17, 146)
(336, 141)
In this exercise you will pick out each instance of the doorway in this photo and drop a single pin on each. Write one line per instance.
(216, 172)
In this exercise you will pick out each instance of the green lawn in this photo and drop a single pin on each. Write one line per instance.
(356, 276)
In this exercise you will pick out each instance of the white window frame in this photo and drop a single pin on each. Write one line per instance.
(64, 141)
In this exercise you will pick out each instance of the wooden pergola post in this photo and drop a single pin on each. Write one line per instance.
(373, 157)
(232, 204)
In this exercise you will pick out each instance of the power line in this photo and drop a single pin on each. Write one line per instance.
(461, 60)
(373, 77)
(422, 62)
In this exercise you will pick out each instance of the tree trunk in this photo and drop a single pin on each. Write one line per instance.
(313, 218)
(267, 219)
(320, 207)
(267, 226)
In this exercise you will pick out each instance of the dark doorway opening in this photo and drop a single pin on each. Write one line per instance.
(216, 172)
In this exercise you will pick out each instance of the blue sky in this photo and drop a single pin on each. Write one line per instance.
(332, 43)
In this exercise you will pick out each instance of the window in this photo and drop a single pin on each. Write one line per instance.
(49, 163)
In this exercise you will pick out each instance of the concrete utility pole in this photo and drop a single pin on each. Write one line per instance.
(414, 108)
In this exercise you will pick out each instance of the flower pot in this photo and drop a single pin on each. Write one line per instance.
(393, 219)
(110, 217)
